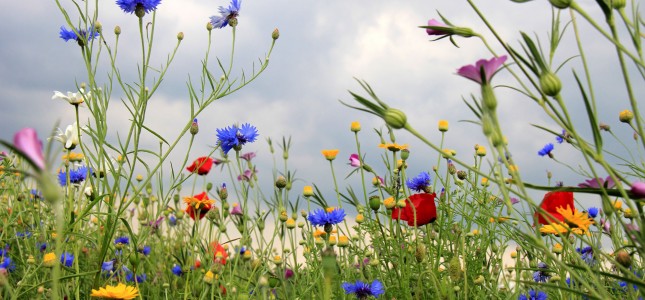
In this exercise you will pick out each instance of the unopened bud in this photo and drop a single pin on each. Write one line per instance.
(117, 30)
(618, 4)
(550, 84)
(395, 118)
(626, 116)
(180, 36)
(561, 4)
(281, 182)
(275, 34)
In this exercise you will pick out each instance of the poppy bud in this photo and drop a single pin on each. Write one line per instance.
(550, 84)
(395, 118)
(375, 202)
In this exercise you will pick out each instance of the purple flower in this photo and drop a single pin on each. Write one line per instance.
(435, 23)
(7, 264)
(123, 240)
(172, 220)
(515, 200)
(638, 190)
(546, 150)
(130, 277)
(246, 176)
(226, 14)
(483, 70)
(354, 161)
(605, 225)
(176, 269)
(26, 140)
(107, 266)
(235, 137)
(363, 290)
(596, 183)
(320, 217)
(288, 273)
(248, 156)
(83, 35)
(560, 138)
(236, 210)
(533, 295)
(67, 259)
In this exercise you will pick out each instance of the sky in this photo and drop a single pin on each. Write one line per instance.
(323, 46)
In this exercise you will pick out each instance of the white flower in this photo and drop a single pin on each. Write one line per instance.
(69, 138)
(72, 98)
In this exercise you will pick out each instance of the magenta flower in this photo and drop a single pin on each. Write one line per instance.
(483, 70)
(433, 22)
(26, 140)
(638, 190)
(354, 161)
(596, 183)
(236, 210)
(248, 156)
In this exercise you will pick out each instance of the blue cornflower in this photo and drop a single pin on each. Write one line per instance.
(233, 136)
(593, 212)
(130, 277)
(541, 275)
(586, 254)
(176, 269)
(7, 264)
(226, 14)
(546, 150)
(419, 183)
(123, 240)
(533, 295)
(560, 138)
(172, 220)
(131, 6)
(320, 217)
(145, 250)
(42, 246)
(75, 176)
(36, 194)
(25, 234)
(83, 35)
(107, 266)
(67, 259)
(363, 290)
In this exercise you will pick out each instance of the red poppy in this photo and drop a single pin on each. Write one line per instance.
(202, 165)
(421, 204)
(219, 251)
(550, 204)
(198, 203)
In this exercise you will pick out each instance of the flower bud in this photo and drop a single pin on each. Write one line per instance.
(99, 27)
(605, 127)
(461, 174)
(626, 116)
(290, 223)
(281, 182)
(623, 258)
(180, 36)
(355, 127)
(561, 4)
(550, 83)
(443, 125)
(638, 190)
(389, 203)
(307, 191)
(194, 127)
(395, 118)
(343, 241)
(618, 4)
(375, 202)
(275, 34)
(117, 30)
(232, 22)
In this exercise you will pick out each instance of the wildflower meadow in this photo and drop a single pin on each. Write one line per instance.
(91, 212)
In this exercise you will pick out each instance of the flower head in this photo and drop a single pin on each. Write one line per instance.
(49, 259)
(437, 31)
(72, 98)
(107, 266)
(560, 138)
(419, 210)
(362, 290)
(75, 176)
(354, 160)
(233, 136)
(419, 183)
(574, 218)
(131, 277)
(393, 146)
(220, 255)
(533, 295)
(596, 183)
(69, 138)
(201, 166)
(236, 210)
(638, 190)
(81, 38)
(227, 14)
(67, 259)
(320, 217)
(120, 291)
(593, 212)
(198, 204)
(7, 264)
(176, 269)
(586, 254)
(483, 70)
(248, 156)
(551, 202)
(123, 240)
(329, 154)
(546, 150)
(26, 140)
(541, 275)
(131, 6)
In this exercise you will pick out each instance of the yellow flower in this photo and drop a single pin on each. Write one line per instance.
(480, 150)
(554, 228)
(307, 191)
(73, 157)
(209, 277)
(443, 125)
(360, 218)
(49, 259)
(319, 233)
(626, 116)
(332, 240)
(120, 291)
(627, 213)
(277, 259)
(448, 153)
(557, 248)
(485, 181)
(513, 168)
(513, 254)
(575, 218)
(198, 203)
(393, 146)
(356, 126)
(475, 232)
(290, 223)
(330, 154)
(617, 204)
(389, 203)
(343, 241)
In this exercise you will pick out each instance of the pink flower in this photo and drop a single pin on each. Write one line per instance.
(596, 183)
(487, 67)
(433, 22)
(354, 161)
(236, 210)
(248, 156)
(638, 190)
(26, 140)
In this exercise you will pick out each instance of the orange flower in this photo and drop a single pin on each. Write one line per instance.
(198, 204)
(393, 146)
(220, 255)
(330, 154)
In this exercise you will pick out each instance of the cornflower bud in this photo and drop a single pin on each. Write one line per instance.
(194, 127)
(275, 34)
